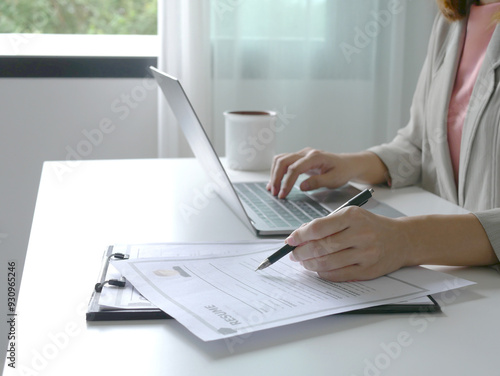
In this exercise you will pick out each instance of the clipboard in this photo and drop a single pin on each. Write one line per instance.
(109, 282)
(95, 311)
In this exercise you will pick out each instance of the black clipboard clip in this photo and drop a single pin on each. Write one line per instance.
(112, 282)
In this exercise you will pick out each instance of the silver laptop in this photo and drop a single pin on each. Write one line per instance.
(251, 202)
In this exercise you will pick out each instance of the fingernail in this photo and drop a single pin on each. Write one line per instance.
(290, 241)
(305, 186)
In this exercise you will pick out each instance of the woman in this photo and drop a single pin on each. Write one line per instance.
(451, 147)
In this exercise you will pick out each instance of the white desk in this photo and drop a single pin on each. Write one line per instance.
(105, 202)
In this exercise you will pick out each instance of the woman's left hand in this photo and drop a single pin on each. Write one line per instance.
(351, 244)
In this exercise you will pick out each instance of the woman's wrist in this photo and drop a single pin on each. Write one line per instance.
(365, 167)
(446, 240)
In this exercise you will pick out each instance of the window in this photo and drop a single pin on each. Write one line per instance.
(79, 16)
(77, 38)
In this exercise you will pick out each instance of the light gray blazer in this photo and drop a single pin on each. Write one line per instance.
(419, 154)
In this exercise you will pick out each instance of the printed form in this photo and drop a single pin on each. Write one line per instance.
(219, 294)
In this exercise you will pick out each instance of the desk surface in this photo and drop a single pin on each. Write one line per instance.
(82, 210)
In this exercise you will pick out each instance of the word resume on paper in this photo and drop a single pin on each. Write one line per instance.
(220, 296)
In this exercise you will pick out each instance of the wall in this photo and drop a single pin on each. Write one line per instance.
(60, 119)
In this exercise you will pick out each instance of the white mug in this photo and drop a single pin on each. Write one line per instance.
(250, 139)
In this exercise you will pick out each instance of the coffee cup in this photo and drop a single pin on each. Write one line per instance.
(250, 139)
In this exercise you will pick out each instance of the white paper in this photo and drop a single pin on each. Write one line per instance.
(222, 296)
(127, 297)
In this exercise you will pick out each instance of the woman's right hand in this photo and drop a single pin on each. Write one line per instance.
(326, 170)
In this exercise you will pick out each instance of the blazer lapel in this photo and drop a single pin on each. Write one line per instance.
(438, 123)
(483, 89)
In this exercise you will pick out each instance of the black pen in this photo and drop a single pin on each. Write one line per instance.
(358, 200)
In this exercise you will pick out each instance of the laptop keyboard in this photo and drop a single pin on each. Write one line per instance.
(296, 209)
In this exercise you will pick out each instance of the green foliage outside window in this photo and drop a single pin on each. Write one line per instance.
(79, 16)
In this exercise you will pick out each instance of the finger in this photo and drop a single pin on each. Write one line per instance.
(345, 274)
(279, 169)
(317, 248)
(333, 261)
(353, 272)
(272, 175)
(282, 171)
(310, 161)
(273, 170)
(320, 228)
(329, 180)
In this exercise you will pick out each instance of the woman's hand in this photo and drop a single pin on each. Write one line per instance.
(327, 170)
(352, 244)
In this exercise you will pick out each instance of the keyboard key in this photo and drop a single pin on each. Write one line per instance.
(296, 209)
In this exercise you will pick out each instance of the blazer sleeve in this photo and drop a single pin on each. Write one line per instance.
(490, 220)
(403, 155)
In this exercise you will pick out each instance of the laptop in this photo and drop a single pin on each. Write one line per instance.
(257, 208)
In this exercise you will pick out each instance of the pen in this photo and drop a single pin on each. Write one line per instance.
(358, 200)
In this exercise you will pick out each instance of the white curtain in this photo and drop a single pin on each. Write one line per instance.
(184, 34)
(341, 74)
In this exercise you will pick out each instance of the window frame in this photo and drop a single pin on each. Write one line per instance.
(79, 56)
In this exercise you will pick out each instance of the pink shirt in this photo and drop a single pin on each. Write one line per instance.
(479, 31)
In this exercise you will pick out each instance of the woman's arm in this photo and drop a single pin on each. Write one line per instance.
(355, 244)
(447, 240)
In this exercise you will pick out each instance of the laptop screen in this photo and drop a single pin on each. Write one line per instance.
(199, 142)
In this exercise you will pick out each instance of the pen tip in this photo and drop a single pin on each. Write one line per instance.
(263, 265)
